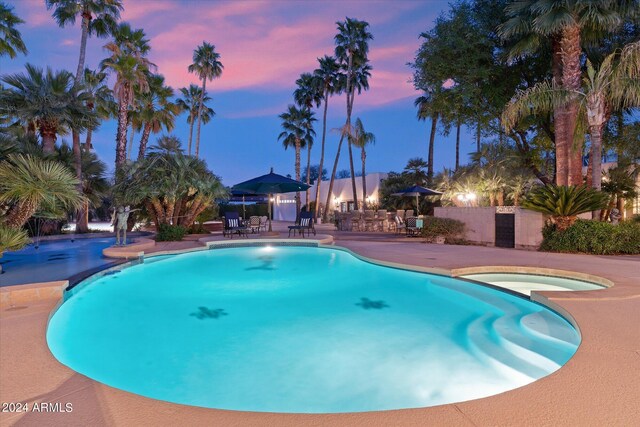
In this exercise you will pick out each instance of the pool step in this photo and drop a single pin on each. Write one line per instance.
(549, 326)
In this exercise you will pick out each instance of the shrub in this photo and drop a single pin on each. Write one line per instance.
(170, 233)
(197, 228)
(593, 237)
(451, 229)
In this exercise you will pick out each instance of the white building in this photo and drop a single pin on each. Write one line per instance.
(284, 208)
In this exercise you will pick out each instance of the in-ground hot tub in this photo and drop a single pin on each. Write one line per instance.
(525, 283)
(303, 329)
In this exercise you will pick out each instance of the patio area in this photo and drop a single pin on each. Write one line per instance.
(594, 388)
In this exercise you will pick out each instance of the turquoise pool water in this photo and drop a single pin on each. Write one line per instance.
(302, 329)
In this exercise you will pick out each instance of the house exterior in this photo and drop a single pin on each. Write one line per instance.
(284, 205)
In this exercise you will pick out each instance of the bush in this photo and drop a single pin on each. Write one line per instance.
(450, 229)
(593, 237)
(170, 233)
(197, 228)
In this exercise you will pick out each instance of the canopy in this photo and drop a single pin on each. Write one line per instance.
(271, 183)
(417, 191)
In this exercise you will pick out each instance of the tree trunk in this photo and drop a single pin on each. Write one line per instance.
(177, 211)
(204, 88)
(160, 213)
(130, 146)
(86, 19)
(144, 140)
(363, 157)
(589, 177)
(87, 142)
(324, 132)
(20, 213)
(571, 76)
(353, 177)
(191, 133)
(81, 215)
(307, 201)
(596, 141)
(333, 176)
(432, 137)
(297, 168)
(152, 212)
(121, 137)
(48, 136)
(478, 133)
(559, 118)
(458, 145)
(350, 98)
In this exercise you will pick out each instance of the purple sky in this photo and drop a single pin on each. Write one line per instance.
(264, 46)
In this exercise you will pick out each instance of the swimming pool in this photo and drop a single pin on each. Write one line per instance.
(53, 260)
(302, 329)
(525, 283)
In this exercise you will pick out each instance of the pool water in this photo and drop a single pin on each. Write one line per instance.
(525, 283)
(53, 260)
(302, 329)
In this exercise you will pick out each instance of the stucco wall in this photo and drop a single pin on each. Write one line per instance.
(480, 226)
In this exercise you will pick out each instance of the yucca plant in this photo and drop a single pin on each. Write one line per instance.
(564, 203)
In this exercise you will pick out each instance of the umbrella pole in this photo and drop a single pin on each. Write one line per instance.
(417, 206)
(270, 214)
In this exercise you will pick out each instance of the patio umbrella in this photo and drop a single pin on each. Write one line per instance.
(270, 184)
(417, 191)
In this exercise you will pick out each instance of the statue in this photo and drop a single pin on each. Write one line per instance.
(119, 222)
(615, 216)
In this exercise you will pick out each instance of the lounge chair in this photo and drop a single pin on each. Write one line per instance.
(263, 222)
(399, 224)
(233, 225)
(305, 222)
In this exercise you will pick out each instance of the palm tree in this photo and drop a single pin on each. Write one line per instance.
(46, 102)
(612, 87)
(191, 103)
(169, 144)
(10, 38)
(427, 109)
(207, 66)
(28, 184)
(99, 99)
(565, 23)
(128, 63)
(308, 93)
(156, 111)
(297, 125)
(415, 169)
(361, 138)
(12, 239)
(352, 47)
(328, 76)
(99, 17)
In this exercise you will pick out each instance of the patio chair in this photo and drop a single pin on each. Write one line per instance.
(408, 213)
(263, 223)
(411, 228)
(400, 213)
(305, 222)
(233, 225)
(399, 224)
(254, 224)
(381, 219)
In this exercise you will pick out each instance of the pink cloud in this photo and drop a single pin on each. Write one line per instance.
(137, 9)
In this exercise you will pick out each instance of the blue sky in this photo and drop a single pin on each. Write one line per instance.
(264, 46)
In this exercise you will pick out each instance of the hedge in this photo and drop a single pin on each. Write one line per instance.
(170, 233)
(450, 229)
(593, 237)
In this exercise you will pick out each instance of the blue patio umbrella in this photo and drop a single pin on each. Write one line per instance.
(417, 191)
(270, 184)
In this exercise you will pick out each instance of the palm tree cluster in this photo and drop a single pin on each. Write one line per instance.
(346, 72)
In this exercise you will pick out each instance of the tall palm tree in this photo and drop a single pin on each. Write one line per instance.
(361, 138)
(128, 63)
(207, 66)
(156, 111)
(99, 18)
(613, 86)
(28, 183)
(99, 99)
(427, 108)
(297, 125)
(10, 38)
(190, 102)
(46, 100)
(307, 95)
(328, 74)
(352, 47)
(565, 24)
(169, 144)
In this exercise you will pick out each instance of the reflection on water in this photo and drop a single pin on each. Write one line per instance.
(267, 263)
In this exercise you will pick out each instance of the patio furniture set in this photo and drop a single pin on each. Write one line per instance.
(233, 224)
(379, 220)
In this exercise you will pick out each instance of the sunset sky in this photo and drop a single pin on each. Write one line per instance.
(264, 46)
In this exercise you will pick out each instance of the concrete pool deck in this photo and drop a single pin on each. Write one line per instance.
(599, 386)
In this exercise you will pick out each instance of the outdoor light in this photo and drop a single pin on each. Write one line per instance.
(467, 198)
